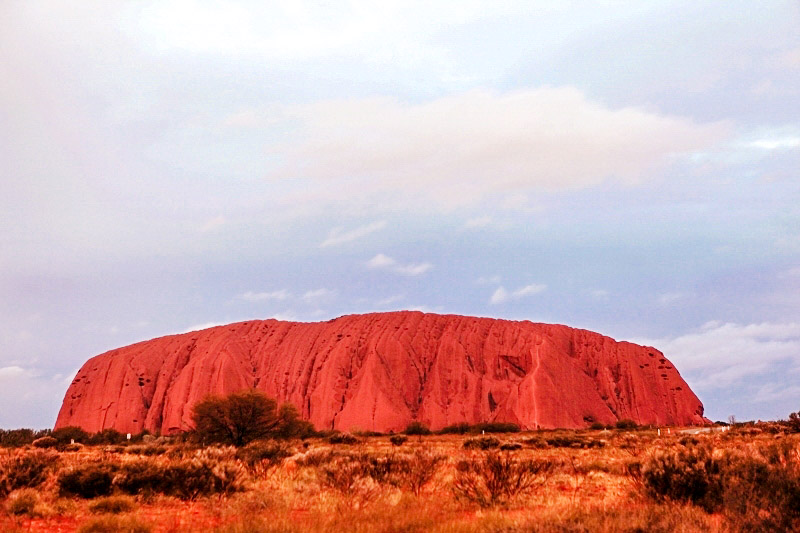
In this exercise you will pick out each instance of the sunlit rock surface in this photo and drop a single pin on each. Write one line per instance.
(381, 371)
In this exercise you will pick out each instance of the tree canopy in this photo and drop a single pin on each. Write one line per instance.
(245, 416)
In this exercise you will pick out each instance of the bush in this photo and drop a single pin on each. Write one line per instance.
(497, 478)
(762, 489)
(511, 446)
(16, 438)
(26, 471)
(24, 502)
(112, 505)
(418, 470)
(461, 428)
(45, 442)
(67, 434)
(245, 416)
(417, 428)
(115, 524)
(625, 423)
(398, 440)
(259, 456)
(481, 443)
(496, 427)
(686, 475)
(107, 436)
(342, 438)
(597, 426)
(87, 481)
(186, 479)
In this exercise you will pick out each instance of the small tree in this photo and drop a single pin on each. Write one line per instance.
(244, 416)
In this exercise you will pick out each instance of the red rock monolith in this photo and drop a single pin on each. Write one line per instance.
(381, 371)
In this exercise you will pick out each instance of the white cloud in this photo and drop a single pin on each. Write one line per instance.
(489, 280)
(206, 325)
(599, 293)
(389, 300)
(501, 295)
(464, 147)
(213, 224)
(280, 295)
(479, 222)
(384, 262)
(776, 143)
(317, 296)
(670, 297)
(719, 355)
(338, 236)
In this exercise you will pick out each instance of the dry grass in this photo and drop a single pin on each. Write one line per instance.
(375, 485)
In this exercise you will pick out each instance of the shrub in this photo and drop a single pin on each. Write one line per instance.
(418, 470)
(260, 456)
(24, 502)
(398, 440)
(625, 423)
(115, 524)
(26, 471)
(186, 479)
(686, 475)
(762, 489)
(87, 481)
(342, 438)
(511, 446)
(461, 428)
(481, 443)
(112, 505)
(16, 438)
(497, 478)
(107, 436)
(496, 427)
(417, 428)
(67, 434)
(597, 426)
(245, 416)
(45, 442)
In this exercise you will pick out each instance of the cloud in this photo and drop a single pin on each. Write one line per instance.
(464, 147)
(338, 236)
(719, 355)
(488, 280)
(479, 222)
(501, 295)
(250, 296)
(206, 325)
(776, 143)
(670, 297)
(317, 296)
(36, 396)
(384, 262)
(213, 224)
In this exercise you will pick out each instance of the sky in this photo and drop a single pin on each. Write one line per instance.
(631, 168)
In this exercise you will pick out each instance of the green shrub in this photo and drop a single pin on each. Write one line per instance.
(342, 438)
(417, 428)
(398, 440)
(625, 423)
(481, 443)
(685, 475)
(16, 438)
(45, 442)
(263, 452)
(88, 481)
(23, 502)
(186, 479)
(496, 427)
(107, 436)
(762, 489)
(68, 434)
(28, 470)
(112, 505)
(115, 524)
(496, 478)
(461, 428)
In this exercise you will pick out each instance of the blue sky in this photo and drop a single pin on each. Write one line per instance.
(625, 167)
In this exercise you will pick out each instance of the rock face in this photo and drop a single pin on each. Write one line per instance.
(381, 371)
